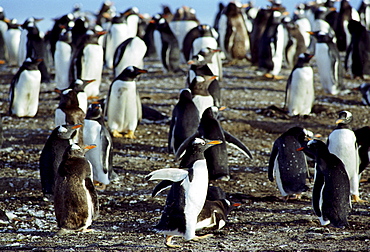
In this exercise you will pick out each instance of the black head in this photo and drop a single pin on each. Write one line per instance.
(299, 133)
(94, 111)
(200, 84)
(344, 117)
(67, 131)
(68, 99)
(185, 95)
(210, 113)
(130, 73)
(79, 85)
(315, 147)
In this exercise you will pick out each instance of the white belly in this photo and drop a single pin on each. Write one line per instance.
(12, 40)
(202, 103)
(324, 66)
(62, 59)
(92, 67)
(117, 34)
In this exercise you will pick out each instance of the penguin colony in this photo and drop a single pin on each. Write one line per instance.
(80, 49)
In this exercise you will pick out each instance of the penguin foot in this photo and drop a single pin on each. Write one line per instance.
(86, 230)
(115, 133)
(99, 186)
(356, 199)
(274, 77)
(62, 231)
(169, 244)
(198, 238)
(93, 97)
(130, 134)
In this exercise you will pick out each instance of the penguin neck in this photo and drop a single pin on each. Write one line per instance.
(343, 126)
(189, 159)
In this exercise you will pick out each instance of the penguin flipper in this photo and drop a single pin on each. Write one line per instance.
(233, 141)
(172, 174)
(163, 185)
(139, 107)
(287, 90)
(316, 193)
(94, 197)
(105, 151)
(273, 155)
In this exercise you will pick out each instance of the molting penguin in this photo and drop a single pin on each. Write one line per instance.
(12, 39)
(184, 121)
(75, 199)
(328, 63)
(342, 143)
(101, 157)
(130, 53)
(295, 44)
(331, 192)
(188, 192)
(300, 92)
(234, 38)
(87, 62)
(52, 154)
(25, 88)
(123, 106)
(288, 165)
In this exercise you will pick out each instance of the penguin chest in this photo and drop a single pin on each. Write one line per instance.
(62, 57)
(301, 91)
(277, 49)
(92, 67)
(26, 93)
(123, 106)
(12, 40)
(326, 66)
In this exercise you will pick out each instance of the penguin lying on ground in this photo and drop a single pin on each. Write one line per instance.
(75, 199)
(331, 198)
(288, 165)
(188, 192)
(52, 154)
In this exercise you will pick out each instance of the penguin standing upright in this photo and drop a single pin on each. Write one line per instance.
(188, 192)
(52, 154)
(364, 88)
(346, 13)
(303, 23)
(75, 200)
(101, 157)
(131, 52)
(331, 199)
(87, 62)
(233, 34)
(363, 142)
(342, 143)
(12, 39)
(202, 98)
(300, 92)
(79, 87)
(287, 165)
(364, 13)
(123, 105)
(24, 89)
(328, 62)
(184, 121)
(295, 43)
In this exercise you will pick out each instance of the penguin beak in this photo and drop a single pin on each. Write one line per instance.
(142, 71)
(213, 77)
(89, 81)
(89, 147)
(77, 126)
(339, 121)
(215, 142)
(300, 149)
(222, 108)
(311, 32)
(190, 62)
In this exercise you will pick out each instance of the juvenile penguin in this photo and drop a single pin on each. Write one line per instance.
(342, 143)
(79, 87)
(24, 89)
(300, 92)
(131, 52)
(52, 154)
(188, 192)
(184, 121)
(75, 199)
(287, 165)
(101, 157)
(328, 62)
(123, 105)
(331, 199)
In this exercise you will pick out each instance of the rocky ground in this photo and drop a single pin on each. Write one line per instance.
(128, 213)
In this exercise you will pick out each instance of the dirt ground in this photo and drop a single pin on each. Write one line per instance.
(128, 213)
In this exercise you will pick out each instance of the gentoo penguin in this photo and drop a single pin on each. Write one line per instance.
(60, 25)
(123, 105)
(52, 154)
(300, 92)
(346, 13)
(364, 13)
(328, 62)
(287, 165)
(12, 39)
(22, 54)
(342, 143)
(331, 199)
(364, 88)
(101, 157)
(295, 44)
(79, 87)
(3, 29)
(217, 157)
(62, 57)
(357, 61)
(233, 34)
(304, 25)
(131, 52)
(69, 112)
(87, 62)
(25, 88)
(184, 121)
(363, 142)
(188, 192)
(75, 199)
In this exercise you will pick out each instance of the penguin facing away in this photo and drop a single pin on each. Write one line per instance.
(123, 106)
(331, 192)
(188, 192)
(24, 89)
(287, 165)
(52, 154)
(342, 143)
(300, 92)
(75, 199)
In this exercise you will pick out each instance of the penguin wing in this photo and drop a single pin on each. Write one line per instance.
(274, 153)
(139, 107)
(287, 89)
(94, 197)
(163, 185)
(172, 174)
(118, 53)
(12, 87)
(316, 192)
(236, 143)
(334, 54)
(105, 148)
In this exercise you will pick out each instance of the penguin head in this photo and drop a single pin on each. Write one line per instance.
(200, 84)
(315, 147)
(130, 73)
(74, 162)
(185, 94)
(344, 117)
(80, 85)
(67, 131)
(94, 111)
(210, 113)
